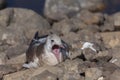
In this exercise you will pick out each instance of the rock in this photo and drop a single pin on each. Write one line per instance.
(115, 75)
(19, 25)
(107, 68)
(63, 27)
(57, 10)
(92, 5)
(116, 57)
(46, 75)
(103, 56)
(78, 23)
(116, 18)
(5, 69)
(85, 65)
(89, 54)
(111, 39)
(3, 58)
(108, 24)
(70, 38)
(31, 74)
(12, 52)
(19, 59)
(2, 4)
(90, 18)
(71, 69)
(92, 73)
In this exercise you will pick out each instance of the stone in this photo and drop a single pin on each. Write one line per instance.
(108, 24)
(57, 10)
(92, 73)
(71, 69)
(5, 69)
(3, 58)
(92, 5)
(63, 27)
(46, 75)
(115, 75)
(103, 56)
(116, 57)
(85, 65)
(116, 20)
(19, 25)
(107, 69)
(15, 51)
(90, 18)
(49, 72)
(19, 59)
(111, 39)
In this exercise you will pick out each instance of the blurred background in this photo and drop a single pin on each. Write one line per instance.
(111, 7)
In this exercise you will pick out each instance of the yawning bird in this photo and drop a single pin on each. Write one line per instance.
(48, 49)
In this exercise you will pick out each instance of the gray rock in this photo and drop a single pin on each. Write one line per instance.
(5, 69)
(92, 5)
(3, 58)
(111, 39)
(116, 56)
(90, 18)
(116, 18)
(57, 10)
(63, 27)
(93, 73)
(71, 69)
(21, 24)
(115, 75)
(108, 24)
(85, 65)
(46, 75)
(103, 56)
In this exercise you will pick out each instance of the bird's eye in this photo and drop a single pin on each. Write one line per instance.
(52, 40)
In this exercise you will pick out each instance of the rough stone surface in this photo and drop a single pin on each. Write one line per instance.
(115, 75)
(58, 10)
(116, 18)
(92, 73)
(111, 39)
(92, 5)
(116, 56)
(46, 75)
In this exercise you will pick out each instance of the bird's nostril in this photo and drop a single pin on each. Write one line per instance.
(52, 40)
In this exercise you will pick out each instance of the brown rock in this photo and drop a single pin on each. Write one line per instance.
(63, 27)
(116, 56)
(57, 10)
(92, 5)
(103, 56)
(3, 58)
(5, 69)
(19, 25)
(85, 65)
(115, 75)
(92, 73)
(91, 18)
(111, 39)
(46, 75)
(108, 24)
(116, 18)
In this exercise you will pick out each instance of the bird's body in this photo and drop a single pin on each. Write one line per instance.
(49, 50)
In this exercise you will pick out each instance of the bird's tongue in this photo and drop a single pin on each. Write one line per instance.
(56, 53)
